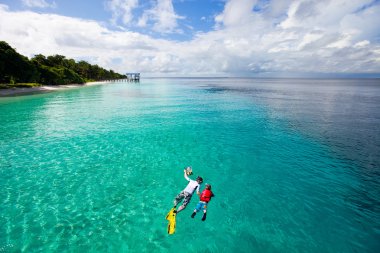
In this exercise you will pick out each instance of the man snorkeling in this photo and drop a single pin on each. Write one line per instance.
(187, 193)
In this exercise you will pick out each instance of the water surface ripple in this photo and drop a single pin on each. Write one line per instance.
(294, 164)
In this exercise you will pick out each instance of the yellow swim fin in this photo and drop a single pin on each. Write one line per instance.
(171, 218)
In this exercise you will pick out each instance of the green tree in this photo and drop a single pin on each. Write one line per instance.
(51, 70)
(14, 66)
(56, 60)
(40, 59)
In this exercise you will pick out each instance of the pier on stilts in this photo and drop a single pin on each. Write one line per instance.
(130, 77)
(133, 77)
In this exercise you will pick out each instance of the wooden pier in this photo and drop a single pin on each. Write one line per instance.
(131, 77)
(134, 77)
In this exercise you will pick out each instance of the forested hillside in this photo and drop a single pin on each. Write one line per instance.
(52, 70)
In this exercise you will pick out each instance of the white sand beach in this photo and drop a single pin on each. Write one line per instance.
(41, 89)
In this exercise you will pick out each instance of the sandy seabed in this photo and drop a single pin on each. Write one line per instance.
(41, 89)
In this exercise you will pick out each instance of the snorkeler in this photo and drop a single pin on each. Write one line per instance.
(205, 197)
(187, 193)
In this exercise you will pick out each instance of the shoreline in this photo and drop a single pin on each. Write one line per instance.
(42, 89)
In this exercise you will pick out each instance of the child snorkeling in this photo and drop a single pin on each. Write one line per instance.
(205, 197)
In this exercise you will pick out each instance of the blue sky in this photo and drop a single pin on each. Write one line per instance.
(202, 37)
(193, 15)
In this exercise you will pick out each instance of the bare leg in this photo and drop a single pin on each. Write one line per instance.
(180, 208)
(204, 216)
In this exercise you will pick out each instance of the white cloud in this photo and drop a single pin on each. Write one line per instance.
(362, 43)
(122, 9)
(236, 12)
(299, 37)
(38, 3)
(343, 41)
(163, 17)
(160, 17)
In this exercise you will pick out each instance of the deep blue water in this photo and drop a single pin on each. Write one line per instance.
(294, 164)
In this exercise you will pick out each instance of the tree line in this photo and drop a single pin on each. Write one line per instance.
(51, 70)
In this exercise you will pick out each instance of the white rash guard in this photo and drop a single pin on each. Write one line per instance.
(191, 186)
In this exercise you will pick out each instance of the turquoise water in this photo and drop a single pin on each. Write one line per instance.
(294, 165)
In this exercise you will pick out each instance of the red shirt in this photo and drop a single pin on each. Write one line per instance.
(206, 195)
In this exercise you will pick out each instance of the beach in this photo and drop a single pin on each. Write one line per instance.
(42, 89)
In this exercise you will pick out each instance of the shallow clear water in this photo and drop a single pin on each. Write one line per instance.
(294, 165)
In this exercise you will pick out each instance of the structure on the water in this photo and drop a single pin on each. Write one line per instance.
(130, 77)
(133, 77)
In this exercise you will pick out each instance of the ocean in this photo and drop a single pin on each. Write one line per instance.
(294, 165)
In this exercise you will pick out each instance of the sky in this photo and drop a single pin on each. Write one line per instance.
(226, 38)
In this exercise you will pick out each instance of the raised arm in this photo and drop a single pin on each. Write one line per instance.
(185, 175)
